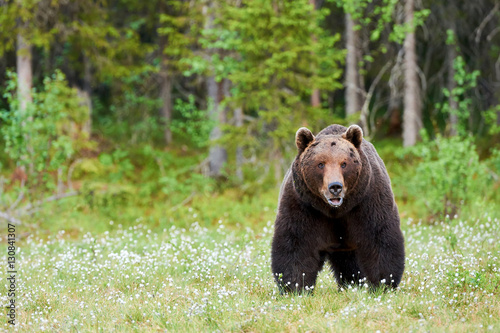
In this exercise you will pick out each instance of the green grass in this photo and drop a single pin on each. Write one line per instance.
(232, 207)
(216, 277)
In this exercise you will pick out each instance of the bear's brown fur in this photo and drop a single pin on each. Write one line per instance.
(336, 204)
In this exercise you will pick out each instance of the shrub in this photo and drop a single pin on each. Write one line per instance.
(43, 138)
(193, 125)
(448, 176)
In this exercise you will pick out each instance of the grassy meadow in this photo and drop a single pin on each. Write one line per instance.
(192, 276)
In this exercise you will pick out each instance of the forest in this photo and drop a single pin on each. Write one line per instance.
(144, 144)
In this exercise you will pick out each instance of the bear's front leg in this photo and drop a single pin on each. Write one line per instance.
(295, 261)
(382, 260)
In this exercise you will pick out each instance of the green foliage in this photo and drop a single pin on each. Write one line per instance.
(465, 83)
(451, 38)
(23, 18)
(364, 14)
(178, 178)
(401, 30)
(8, 17)
(491, 117)
(377, 18)
(43, 138)
(271, 70)
(117, 165)
(137, 178)
(133, 117)
(448, 177)
(494, 164)
(83, 27)
(178, 27)
(192, 124)
(106, 198)
(495, 160)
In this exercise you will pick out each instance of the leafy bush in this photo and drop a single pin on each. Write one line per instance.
(118, 165)
(194, 125)
(107, 196)
(448, 177)
(43, 137)
(495, 160)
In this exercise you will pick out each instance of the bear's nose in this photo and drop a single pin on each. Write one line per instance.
(335, 188)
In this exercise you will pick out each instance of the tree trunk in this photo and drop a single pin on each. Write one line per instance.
(166, 108)
(315, 95)
(24, 73)
(87, 96)
(24, 84)
(452, 84)
(165, 92)
(217, 155)
(315, 98)
(165, 83)
(412, 104)
(238, 122)
(394, 107)
(352, 92)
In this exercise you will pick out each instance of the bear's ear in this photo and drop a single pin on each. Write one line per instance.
(302, 138)
(354, 134)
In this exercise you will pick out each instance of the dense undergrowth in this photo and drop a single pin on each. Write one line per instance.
(435, 181)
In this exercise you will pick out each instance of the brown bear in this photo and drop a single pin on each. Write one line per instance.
(336, 204)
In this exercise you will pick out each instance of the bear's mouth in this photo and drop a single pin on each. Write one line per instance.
(335, 202)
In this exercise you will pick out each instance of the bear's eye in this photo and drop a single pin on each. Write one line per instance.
(343, 165)
(321, 165)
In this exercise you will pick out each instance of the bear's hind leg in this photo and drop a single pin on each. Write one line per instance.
(345, 268)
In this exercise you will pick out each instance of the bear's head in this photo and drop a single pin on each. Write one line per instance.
(330, 165)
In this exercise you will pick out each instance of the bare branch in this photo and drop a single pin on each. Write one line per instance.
(19, 198)
(10, 218)
(492, 34)
(369, 95)
(160, 166)
(60, 184)
(488, 17)
(185, 201)
(70, 172)
(497, 68)
(30, 207)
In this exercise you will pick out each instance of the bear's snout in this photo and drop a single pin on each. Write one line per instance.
(334, 195)
(335, 188)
